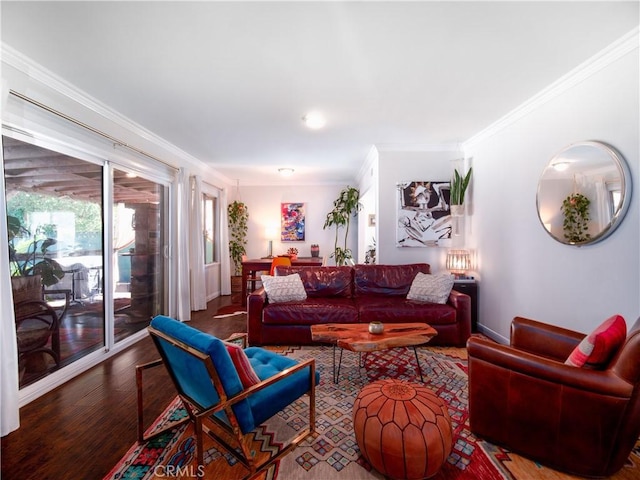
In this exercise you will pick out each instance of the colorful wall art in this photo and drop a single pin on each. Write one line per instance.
(424, 218)
(292, 222)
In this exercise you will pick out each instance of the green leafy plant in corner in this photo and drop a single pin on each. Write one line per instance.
(344, 207)
(459, 186)
(575, 209)
(238, 218)
(34, 260)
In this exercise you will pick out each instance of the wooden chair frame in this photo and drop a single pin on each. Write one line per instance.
(199, 415)
(46, 317)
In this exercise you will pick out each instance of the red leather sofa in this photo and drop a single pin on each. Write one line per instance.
(358, 294)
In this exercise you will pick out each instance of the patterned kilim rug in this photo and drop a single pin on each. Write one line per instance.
(333, 453)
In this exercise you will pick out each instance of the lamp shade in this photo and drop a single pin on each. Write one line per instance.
(458, 261)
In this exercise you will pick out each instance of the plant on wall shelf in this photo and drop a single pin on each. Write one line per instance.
(575, 209)
(344, 207)
(459, 186)
(238, 214)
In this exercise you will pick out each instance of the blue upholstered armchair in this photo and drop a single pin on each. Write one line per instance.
(219, 397)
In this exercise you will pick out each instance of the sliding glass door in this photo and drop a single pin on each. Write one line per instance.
(139, 237)
(64, 269)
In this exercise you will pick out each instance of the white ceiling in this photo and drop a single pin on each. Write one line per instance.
(228, 82)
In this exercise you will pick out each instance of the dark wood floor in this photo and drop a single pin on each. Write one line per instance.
(83, 428)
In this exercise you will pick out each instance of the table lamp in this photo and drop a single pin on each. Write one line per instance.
(270, 233)
(458, 262)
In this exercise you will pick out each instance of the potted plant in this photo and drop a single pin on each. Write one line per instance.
(34, 260)
(459, 186)
(575, 209)
(370, 256)
(238, 215)
(238, 218)
(344, 207)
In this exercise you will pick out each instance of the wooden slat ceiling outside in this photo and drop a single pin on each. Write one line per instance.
(30, 168)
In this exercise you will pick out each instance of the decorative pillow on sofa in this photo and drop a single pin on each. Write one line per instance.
(284, 289)
(247, 374)
(431, 288)
(599, 346)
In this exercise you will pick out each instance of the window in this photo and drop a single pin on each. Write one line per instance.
(209, 210)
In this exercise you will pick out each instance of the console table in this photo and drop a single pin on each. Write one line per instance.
(251, 267)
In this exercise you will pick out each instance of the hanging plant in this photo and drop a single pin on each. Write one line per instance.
(459, 186)
(344, 207)
(575, 209)
(238, 215)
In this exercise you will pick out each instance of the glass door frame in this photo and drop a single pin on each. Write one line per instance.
(99, 154)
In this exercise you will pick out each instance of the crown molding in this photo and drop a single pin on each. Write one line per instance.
(37, 72)
(618, 49)
(419, 147)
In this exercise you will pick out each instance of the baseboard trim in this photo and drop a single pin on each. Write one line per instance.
(492, 334)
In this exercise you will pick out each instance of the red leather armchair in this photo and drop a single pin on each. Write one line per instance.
(522, 396)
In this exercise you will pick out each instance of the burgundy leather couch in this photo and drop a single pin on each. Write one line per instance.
(358, 294)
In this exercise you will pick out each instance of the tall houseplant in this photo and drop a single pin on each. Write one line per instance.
(575, 209)
(459, 186)
(238, 218)
(344, 207)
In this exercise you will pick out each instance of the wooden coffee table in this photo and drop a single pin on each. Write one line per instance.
(356, 338)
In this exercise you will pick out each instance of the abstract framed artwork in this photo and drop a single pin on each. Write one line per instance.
(424, 217)
(292, 223)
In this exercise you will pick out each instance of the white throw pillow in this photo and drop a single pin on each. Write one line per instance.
(431, 288)
(288, 288)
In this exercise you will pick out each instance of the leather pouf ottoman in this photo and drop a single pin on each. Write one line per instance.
(403, 429)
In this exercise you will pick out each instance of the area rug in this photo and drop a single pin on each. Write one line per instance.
(230, 311)
(332, 453)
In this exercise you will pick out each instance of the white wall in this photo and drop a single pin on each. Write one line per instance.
(367, 233)
(523, 270)
(264, 211)
(406, 166)
(368, 185)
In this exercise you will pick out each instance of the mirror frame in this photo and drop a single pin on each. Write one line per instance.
(625, 189)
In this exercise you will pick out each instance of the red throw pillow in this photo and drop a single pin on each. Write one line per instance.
(597, 348)
(243, 366)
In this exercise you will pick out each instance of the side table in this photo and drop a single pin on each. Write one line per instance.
(469, 287)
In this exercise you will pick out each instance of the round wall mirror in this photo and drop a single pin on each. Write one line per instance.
(584, 193)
